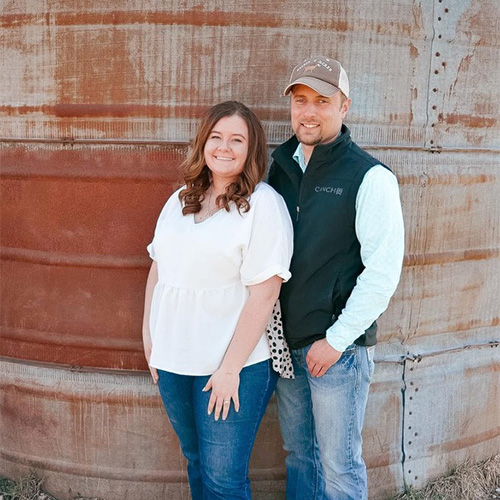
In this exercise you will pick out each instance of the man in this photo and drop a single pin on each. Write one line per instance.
(348, 252)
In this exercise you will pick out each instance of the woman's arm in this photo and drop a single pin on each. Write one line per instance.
(146, 334)
(252, 323)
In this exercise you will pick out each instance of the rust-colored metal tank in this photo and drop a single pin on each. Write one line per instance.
(97, 104)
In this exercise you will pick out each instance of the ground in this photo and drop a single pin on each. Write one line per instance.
(468, 481)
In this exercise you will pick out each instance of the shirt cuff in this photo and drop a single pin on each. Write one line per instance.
(339, 337)
(151, 251)
(282, 272)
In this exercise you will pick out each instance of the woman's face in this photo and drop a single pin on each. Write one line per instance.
(226, 148)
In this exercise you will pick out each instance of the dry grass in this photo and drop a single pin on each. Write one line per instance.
(468, 481)
(28, 488)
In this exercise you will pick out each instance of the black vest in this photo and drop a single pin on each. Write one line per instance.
(326, 260)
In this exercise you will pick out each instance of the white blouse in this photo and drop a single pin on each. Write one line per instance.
(203, 272)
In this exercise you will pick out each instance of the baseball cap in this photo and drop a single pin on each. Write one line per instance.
(324, 75)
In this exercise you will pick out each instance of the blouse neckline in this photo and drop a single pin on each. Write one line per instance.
(207, 219)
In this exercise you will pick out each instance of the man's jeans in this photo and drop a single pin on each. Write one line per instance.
(217, 451)
(321, 421)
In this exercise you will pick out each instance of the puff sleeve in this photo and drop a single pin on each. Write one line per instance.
(270, 245)
(169, 205)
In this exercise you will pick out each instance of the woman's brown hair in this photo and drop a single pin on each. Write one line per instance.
(197, 175)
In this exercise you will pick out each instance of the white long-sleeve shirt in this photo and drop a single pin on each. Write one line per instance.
(380, 231)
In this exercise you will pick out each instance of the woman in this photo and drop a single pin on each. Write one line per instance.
(221, 249)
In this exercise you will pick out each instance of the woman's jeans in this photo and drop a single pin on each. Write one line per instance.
(217, 452)
(321, 420)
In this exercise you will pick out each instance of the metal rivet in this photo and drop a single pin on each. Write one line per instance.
(440, 36)
(439, 19)
(434, 90)
(437, 54)
(436, 72)
(409, 442)
(431, 141)
(433, 107)
(447, 10)
(416, 388)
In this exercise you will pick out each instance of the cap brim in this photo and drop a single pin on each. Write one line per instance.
(321, 87)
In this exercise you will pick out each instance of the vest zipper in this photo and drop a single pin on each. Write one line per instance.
(300, 196)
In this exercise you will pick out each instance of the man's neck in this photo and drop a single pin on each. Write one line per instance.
(308, 149)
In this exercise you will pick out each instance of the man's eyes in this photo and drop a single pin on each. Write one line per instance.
(319, 101)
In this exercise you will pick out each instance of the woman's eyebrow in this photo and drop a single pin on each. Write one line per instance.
(232, 135)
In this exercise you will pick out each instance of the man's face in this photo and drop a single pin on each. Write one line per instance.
(316, 119)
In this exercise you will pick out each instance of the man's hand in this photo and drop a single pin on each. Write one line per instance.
(320, 357)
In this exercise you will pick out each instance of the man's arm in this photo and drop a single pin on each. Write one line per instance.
(380, 231)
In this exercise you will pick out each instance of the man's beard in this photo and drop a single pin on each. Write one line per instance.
(308, 140)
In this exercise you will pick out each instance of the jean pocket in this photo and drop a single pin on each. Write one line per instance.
(370, 351)
(348, 356)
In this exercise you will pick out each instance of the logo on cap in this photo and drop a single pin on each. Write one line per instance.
(324, 75)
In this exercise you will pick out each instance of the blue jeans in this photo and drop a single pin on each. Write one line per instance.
(321, 421)
(217, 452)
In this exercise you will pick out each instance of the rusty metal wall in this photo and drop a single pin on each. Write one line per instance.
(107, 433)
(97, 104)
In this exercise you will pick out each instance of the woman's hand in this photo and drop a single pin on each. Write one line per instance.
(224, 386)
(146, 340)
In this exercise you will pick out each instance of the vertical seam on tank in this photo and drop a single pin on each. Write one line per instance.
(403, 404)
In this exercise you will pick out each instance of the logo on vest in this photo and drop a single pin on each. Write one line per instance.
(328, 189)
